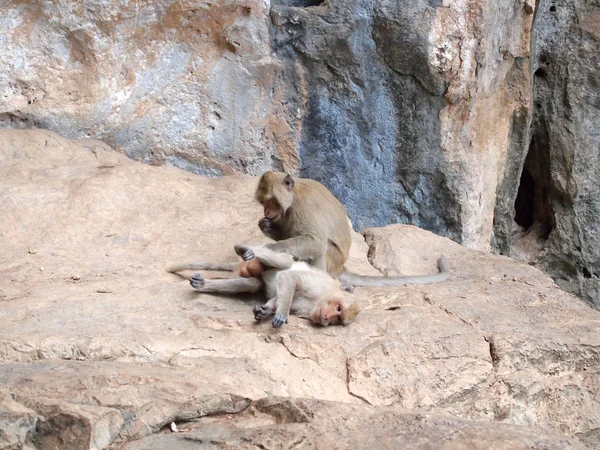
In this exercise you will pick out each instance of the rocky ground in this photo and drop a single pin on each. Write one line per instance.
(100, 347)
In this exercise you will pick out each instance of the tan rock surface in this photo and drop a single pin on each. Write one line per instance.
(98, 344)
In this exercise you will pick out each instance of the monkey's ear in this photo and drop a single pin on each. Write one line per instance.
(348, 288)
(288, 181)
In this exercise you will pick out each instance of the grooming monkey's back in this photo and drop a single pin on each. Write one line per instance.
(316, 208)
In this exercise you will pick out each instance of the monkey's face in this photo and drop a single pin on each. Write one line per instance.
(275, 192)
(329, 311)
(273, 210)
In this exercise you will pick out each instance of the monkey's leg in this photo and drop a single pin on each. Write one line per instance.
(287, 282)
(261, 312)
(226, 286)
(202, 265)
(268, 258)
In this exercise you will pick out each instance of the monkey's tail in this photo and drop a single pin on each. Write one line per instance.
(349, 278)
(201, 265)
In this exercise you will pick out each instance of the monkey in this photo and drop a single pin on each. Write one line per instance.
(305, 219)
(290, 287)
(308, 222)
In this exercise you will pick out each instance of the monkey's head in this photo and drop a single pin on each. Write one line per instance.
(337, 308)
(275, 192)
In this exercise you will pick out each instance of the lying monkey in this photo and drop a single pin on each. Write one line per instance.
(291, 287)
(309, 223)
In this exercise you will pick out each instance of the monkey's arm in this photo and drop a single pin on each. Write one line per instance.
(306, 247)
(226, 286)
(201, 265)
(352, 279)
(286, 288)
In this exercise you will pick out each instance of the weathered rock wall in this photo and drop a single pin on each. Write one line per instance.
(391, 100)
(553, 186)
(185, 83)
(410, 103)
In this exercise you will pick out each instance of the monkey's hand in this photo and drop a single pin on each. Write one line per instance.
(261, 312)
(279, 320)
(265, 226)
(197, 282)
(244, 251)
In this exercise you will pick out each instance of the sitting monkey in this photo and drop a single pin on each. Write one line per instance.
(290, 287)
(308, 222)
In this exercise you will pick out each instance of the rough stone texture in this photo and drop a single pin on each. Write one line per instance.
(284, 423)
(559, 200)
(99, 344)
(185, 83)
(411, 103)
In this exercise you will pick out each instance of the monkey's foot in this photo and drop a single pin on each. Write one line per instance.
(265, 225)
(279, 320)
(261, 312)
(197, 282)
(244, 251)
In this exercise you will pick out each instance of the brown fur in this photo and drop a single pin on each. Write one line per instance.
(329, 232)
(309, 223)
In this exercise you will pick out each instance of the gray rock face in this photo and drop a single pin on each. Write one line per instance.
(372, 109)
(376, 99)
(398, 105)
(557, 204)
(565, 143)
(184, 83)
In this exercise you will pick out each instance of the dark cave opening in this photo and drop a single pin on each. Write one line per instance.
(533, 206)
(524, 202)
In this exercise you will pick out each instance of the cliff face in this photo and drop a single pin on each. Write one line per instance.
(564, 143)
(425, 113)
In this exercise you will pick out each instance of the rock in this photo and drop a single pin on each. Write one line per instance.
(411, 104)
(179, 83)
(498, 345)
(17, 423)
(286, 423)
(391, 99)
(559, 198)
(68, 425)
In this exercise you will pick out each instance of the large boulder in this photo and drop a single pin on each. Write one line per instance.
(558, 200)
(99, 344)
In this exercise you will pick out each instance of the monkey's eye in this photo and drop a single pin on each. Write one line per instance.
(339, 308)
